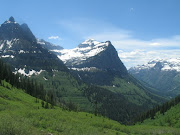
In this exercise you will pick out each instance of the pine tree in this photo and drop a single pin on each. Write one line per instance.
(42, 103)
(47, 105)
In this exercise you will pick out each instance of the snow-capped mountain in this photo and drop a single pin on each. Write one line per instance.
(78, 55)
(92, 61)
(162, 74)
(99, 59)
(92, 54)
(172, 64)
(20, 48)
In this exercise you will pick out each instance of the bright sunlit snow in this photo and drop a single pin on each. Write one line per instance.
(85, 50)
(7, 56)
(30, 72)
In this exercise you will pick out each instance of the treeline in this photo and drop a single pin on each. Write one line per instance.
(29, 85)
(162, 109)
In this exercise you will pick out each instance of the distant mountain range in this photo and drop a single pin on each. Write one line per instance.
(162, 74)
(91, 76)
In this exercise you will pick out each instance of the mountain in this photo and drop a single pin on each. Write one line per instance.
(107, 90)
(162, 74)
(19, 47)
(100, 59)
(93, 54)
(11, 30)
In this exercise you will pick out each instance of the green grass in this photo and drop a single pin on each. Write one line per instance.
(171, 118)
(132, 93)
(20, 114)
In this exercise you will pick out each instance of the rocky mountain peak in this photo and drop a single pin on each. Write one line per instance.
(11, 30)
(88, 43)
(11, 19)
(158, 65)
(91, 53)
(108, 42)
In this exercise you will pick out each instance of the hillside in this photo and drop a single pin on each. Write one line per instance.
(23, 114)
(169, 119)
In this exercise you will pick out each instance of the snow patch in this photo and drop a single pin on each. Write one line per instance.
(22, 51)
(85, 69)
(7, 22)
(40, 42)
(8, 43)
(54, 70)
(30, 72)
(1, 46)
(7, 56)
(45, 78)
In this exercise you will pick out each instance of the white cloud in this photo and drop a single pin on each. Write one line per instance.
(137, 52)
(155, 44)
(127, 42)
(54, 37)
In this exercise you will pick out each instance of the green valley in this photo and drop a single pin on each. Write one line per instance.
(23, 114)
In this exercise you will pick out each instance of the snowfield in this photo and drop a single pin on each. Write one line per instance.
(85, 50)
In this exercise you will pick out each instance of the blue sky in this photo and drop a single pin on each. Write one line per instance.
(140, 30)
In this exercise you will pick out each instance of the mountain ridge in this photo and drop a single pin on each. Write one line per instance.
(92, 54)
(162, 74)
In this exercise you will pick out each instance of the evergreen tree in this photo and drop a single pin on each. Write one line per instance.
(42, 103)
(47, 105)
